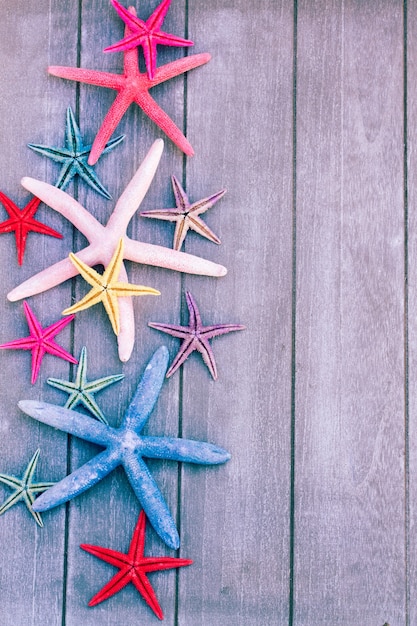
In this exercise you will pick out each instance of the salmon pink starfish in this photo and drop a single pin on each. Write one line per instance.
(133, 568)
(22, 222)
(146, 34)
(133, 86)
(40, 341)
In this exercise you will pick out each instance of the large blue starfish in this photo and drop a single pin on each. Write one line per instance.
(74, 155)
(125, 446)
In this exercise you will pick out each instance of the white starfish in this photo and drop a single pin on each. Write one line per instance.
(103, 241)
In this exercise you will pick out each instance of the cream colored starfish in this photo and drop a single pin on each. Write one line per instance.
(103, 240)
(106, 288)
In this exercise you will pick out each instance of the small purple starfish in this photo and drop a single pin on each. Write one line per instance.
(195, 336)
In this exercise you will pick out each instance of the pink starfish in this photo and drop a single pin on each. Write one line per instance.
(133, 86)
(40, 341)
(103, 241)
(146, 34)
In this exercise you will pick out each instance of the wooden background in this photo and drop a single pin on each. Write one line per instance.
(307, 115)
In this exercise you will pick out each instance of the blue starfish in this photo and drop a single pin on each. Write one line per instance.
(74, 157)
(24, 488)
(125, 446)
(82, 391)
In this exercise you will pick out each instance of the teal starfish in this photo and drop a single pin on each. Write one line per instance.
(24, 488)
(74, 157)
(81, 391)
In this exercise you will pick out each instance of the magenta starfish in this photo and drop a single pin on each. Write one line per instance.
(195, 336)
(146, 34)
(21, 221)
(133, 86)
(134, 567)
(40, 341)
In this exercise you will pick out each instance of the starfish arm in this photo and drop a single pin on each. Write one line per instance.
(126, 336)
(111, 305)
(129, 17)
(136, 190)
(90, 177)
(187, 347)
(163, 563)
(199, 226)
(73, 138)
(112, 143)
(90, 77)
(121, 290)
(55, 349)
(39, 487)
(201, 206)
(57, 155)
(180, 332)
(26, 343)
(68, 421)
(164, 122)
(38, 352)
(150, 254)
(147, 391)
(180, 66)
(154, 22)
(64, 204)
(79, 481)
(115, 584)
(35, 328)
(102, 383)
(145, 588)
(208, 332)
(181, 230)
(169, 215)
(167, 39)
(151, 500)
(10, 481)
(66, 174)
(206, 352)
(90, 275)
(127, 43)
(193, 310)
(89, 402)
(113, 557)
(30, 470)
(29, 500)
(184, 450)
(113, 116)
(11, 501)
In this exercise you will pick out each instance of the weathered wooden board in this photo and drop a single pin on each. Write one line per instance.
(349, 443)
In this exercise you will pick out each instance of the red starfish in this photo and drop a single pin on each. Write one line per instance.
(133, 568)
(21, 221)
(133, 86)
(40, 341)
(146, 34)
(195, 336)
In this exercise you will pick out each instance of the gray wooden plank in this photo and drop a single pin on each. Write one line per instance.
(235, 518)
(32, 558)
(349, 440)
(106, 515)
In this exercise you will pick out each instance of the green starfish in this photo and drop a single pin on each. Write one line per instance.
(81, 391)
(74, 157)
(24, 488)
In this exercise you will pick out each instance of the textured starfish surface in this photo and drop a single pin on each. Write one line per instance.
(106, 288)
(125, 446)
(195, 336)
(133, 568)
(104, 239)
(133, 86)
(22, 222)
(74, 155)
(146, 34)
(82, 391)
(186, 215)
(24, 489)
(40, 341)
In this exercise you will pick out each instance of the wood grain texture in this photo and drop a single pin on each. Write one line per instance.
(349, 444)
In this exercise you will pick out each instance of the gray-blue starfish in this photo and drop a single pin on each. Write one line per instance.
(127, 447)
(24, 488)
(82, 391)
(74, 157)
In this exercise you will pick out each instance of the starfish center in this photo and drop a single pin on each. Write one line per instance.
(131, 442)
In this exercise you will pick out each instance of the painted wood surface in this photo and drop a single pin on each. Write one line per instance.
(306, 114)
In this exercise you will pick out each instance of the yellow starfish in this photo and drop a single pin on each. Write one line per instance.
(106, 288)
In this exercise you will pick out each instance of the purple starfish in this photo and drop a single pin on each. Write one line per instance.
(195, 336)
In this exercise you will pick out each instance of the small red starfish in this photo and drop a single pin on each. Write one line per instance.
(133, 568)
(133, 86)
(146, 34)
(21, 221)
(195, 336)
(40, 341)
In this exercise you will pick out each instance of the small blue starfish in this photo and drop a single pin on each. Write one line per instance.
(125, 446)
(74, 157)
(24, 488)
(82, 391)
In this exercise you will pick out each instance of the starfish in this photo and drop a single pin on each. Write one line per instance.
(195, 336)
(22, 222)
(186, 215)
(40, 341)
(106, 288)
(133, 567)
(24, 488)
(146, 34)
(74, 157)
(133, 86)
(125, 446)
(104, 239)
(82, 391)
